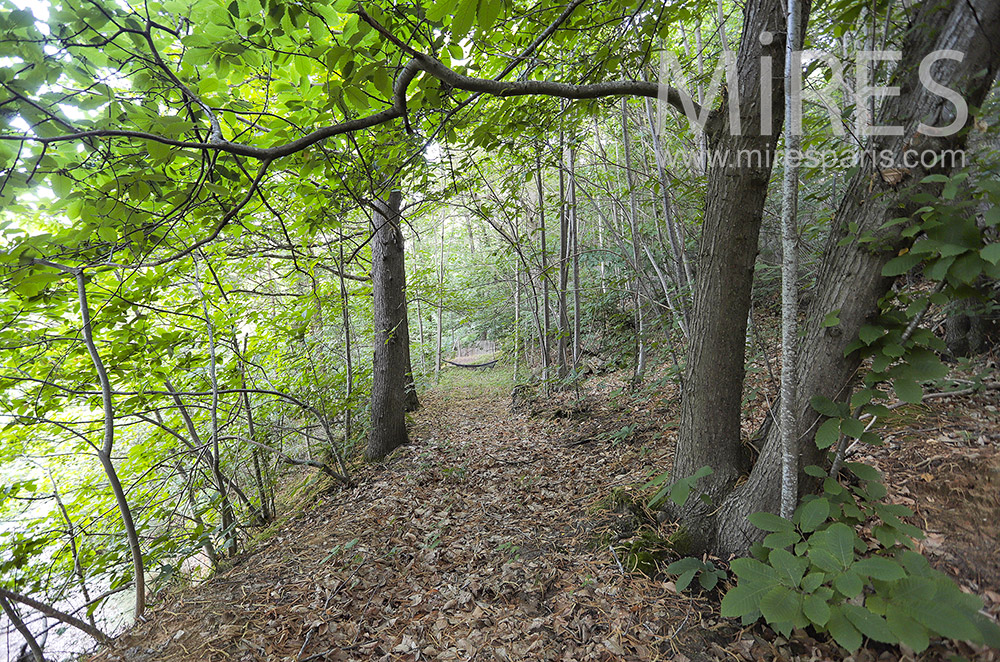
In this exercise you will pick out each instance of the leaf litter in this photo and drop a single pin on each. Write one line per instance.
(486, 538)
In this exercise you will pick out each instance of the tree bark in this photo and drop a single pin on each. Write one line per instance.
(389, 377)
(104, 450)
(850, 279)
(709, 432)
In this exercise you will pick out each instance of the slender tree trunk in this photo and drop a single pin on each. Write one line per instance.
(440, 309)
(790, 272)
(104, 451)
(228, 517)
(71, 537)
(206, 543)
(265, 510)
(640, 352)
(36, 651)
(389, 378)
(420, 339)
(547, 326)
(410, 400)
(575, 248)
(562, 303)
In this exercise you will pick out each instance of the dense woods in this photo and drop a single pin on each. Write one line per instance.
(241, 241)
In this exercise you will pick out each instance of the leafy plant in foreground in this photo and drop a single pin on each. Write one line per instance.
(815, 571)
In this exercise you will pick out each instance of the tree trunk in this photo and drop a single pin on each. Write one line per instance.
(440, 309)
(389, 378)
(104, 450)
(640, 351)
(709, 432)
(546, 325)
(850, 278)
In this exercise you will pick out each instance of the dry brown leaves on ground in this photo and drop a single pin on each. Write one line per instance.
(478, 541)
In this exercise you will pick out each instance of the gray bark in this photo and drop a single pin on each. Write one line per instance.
(850, 279)
(388, 429)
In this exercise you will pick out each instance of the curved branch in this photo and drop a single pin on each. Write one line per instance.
(56, 614)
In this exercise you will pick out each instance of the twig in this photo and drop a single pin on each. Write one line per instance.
(615, 555)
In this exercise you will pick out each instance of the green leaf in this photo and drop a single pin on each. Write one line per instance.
(869, 624)
(870, 334)
(684, 579)
(826, 406)
(908, 390)
(832, 319)
(790, 568)
(828, 433)
(489, 10)
(842, 631)
(849, 583)
(832, 549)
(464, 15)
(909, 631)
(945, 620)
(781, 605)
(991, 253)
(852, 427)
(781, 539)
(989, 630)
(440, 9)
(770, 522)
(863, 471)
(812, 581)
(967, 268)
(814, 513)
(157, 150)
(878, 567)
(742, 599)
(816, 609)
(754, 571)
(900, 265)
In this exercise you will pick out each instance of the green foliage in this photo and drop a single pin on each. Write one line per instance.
(678, 491)
(690, 567)
(815, 571)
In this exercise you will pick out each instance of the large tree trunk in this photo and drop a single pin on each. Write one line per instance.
(390, 363)
(709, 432)
(850, 279)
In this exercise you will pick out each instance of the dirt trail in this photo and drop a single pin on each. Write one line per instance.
(473, 542)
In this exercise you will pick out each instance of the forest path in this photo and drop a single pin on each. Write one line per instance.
(475, 541)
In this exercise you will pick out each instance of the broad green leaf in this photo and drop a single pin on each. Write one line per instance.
(880, 568)
(907, 630)
(842, 630)
(863, 471)
(849, 583)
(871, 625)
(814, 513)
(464, 16)
(908, 390)
(770, 522)
(790, 568)
(852, 427)
(781, 539)
(828, 433)
(489, 10)
(826, 406)
(781, 605)
(743, 599)
(900, 265)
(832, 549)
(816, 609)
(991, 253)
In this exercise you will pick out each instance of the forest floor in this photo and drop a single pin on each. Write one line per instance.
(492, 536)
